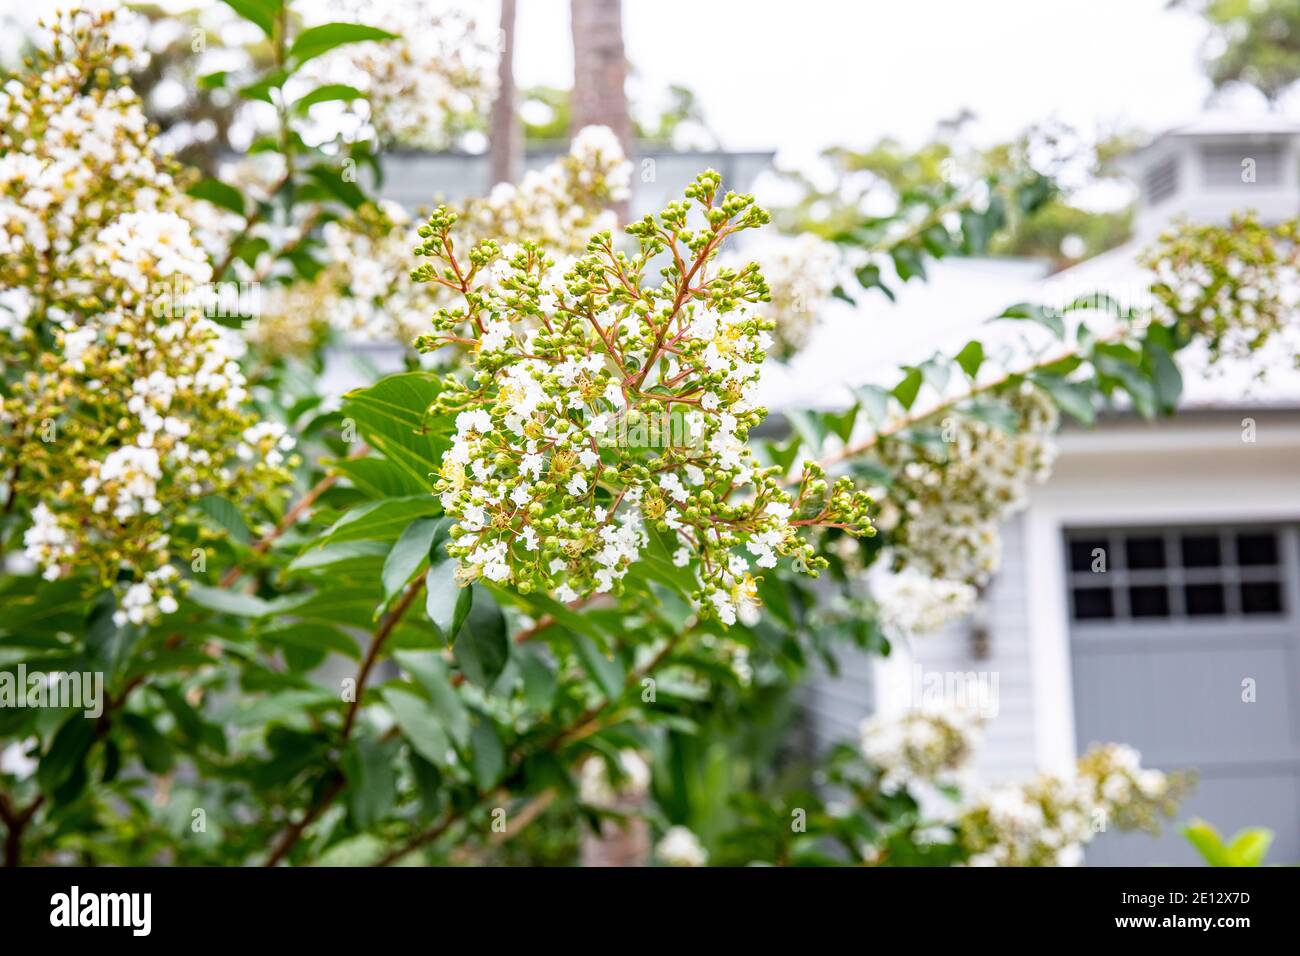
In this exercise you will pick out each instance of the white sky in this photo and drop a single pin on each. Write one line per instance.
(801, 75)
(812, 73)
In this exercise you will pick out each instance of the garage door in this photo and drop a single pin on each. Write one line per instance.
(1185, 643)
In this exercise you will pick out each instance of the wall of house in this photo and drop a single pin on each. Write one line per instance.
(1195, 469)
(837, 705)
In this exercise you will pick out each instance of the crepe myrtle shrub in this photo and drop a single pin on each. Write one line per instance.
(497, 583)
(122, 403)
(559, 354)
(1236, 286)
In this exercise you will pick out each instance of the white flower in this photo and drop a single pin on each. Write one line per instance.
(680, 847)
(909, 603)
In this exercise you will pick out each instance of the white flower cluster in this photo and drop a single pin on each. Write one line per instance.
(562, 204)
(910, 603)
(1237, 285)
(1048, 821)
(366, 290)
(548, 489)
(433, 82)
(928, 743)
(596, 788)
(801, 275)
(131, 404)
(680, 847)
(947, 508)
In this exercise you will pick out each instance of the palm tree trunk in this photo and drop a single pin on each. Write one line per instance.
(600, 71)
(506, 135)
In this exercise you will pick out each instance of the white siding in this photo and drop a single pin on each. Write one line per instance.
(837, 705)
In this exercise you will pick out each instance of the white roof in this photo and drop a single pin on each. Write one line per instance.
(867, 344)
(1235, 122)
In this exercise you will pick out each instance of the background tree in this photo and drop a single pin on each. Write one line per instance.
(506, 142)
(1252, 42)
(600, 73)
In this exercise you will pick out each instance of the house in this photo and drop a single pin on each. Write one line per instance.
(1187, 644)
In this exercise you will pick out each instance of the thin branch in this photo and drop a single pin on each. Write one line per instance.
(289, 839)
(291, 516)
(586, 724)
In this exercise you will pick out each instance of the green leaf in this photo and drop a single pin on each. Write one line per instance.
(488, 760)
(538, 675)
(155, 752)
(936, 373)
(261, 12)
(67, 753)
(408, 555)
(391, 415)
(1205, 839)
(1047, 318)
(447, 603)
(430, 671)
(381, 519)
(483, 647)
(607, 672)
(428, 783)
(420, 725)
(841, 423)
(995, 413)
(1072, 397)
(1125, 368)
(339, 553)
(874, 401)
(225, 601)
(213, 81)
(908, 262)
(1168, 380)
(226, 516)
(338, 186)
(312, 636)
(192, 727)
(260, 90)
(107, 645)
(380, 478)
(330, 92)
(219, 194)
(372, 783)
(314, 41)
(971, 357)
(1249, 847)
(906, 390)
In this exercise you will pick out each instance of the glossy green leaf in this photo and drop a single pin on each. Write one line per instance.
(261, 12)
(372, 781)
(482, 647)
(971, 357)
(219, 194)
(488, 758)
(420, 725)
(606, 671)
(328, 93)
(226, 516)
(383, 520)
(314, 41)
(431, 672)
(448, 604)
(407, 555)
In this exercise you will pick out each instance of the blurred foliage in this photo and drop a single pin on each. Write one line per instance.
(1253, 42)
(1013, 198)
